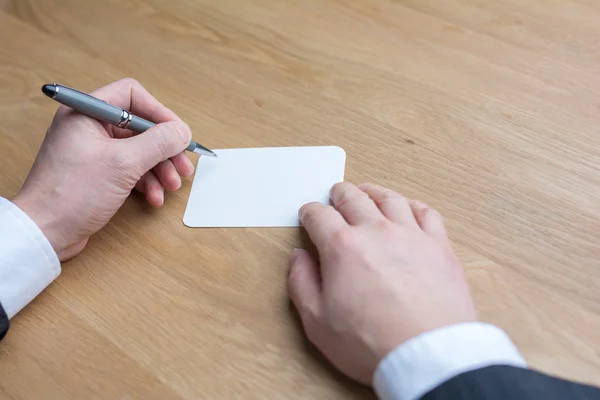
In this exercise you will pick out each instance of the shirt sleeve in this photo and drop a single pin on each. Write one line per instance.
(426, 361)
(28, 262)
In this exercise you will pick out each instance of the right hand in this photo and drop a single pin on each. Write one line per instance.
(386, 273)
(85, 169)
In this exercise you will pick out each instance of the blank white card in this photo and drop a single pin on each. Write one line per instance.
(261, 187)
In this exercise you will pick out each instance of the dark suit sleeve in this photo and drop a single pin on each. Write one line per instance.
(4, 323)
(505, 382)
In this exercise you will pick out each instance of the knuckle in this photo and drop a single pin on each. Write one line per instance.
(389, 196)
(383, 225)
(153, 110)
(344, 239)
(131, 82)
(345, 198)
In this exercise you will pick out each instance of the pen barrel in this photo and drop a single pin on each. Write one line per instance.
(104, 112)
(88, 105)
(139, 125)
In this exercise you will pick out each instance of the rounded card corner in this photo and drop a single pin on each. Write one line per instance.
(340, 150)
(186, 221)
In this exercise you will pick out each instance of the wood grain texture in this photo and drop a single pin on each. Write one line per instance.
(488, 111)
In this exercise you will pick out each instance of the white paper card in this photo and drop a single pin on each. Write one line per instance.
(261, 187)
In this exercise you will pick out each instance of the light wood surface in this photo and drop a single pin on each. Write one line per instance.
(487, 110)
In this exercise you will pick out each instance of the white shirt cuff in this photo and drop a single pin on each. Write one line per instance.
(426, 361)
(28, 262)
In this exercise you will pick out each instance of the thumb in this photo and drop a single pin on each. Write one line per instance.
(157, 144)
(304, 284)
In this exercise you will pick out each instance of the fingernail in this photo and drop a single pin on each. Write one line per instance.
(179, 183)
(418, 204)
(191, 165)
(184, 131)
(333, 189)
(295, 254)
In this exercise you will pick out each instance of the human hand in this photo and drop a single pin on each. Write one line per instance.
(85, 169)
(386, 273)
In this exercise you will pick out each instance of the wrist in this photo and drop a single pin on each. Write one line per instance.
(46, 220)
(406, 330)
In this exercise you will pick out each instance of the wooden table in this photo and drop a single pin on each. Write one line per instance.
(488, 111)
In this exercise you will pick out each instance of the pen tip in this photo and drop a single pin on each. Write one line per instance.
(203, 151)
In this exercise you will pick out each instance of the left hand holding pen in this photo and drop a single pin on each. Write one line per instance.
(85, 170)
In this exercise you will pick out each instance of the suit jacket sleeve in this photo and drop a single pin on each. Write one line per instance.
(467, 361)
(28, 262)
(4, 323)
(506, 382)
(428, 360)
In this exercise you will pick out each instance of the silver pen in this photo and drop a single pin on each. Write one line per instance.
(102, 111)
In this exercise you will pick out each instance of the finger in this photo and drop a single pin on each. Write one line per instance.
(321, 222)
(183, 165)
(354, 204)
(167, 175)
(151, 187)
(117, 133)
(304, 283)
(156, 144)
(393, 205)
(429, 219)
(130, 95)
(140, 186)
